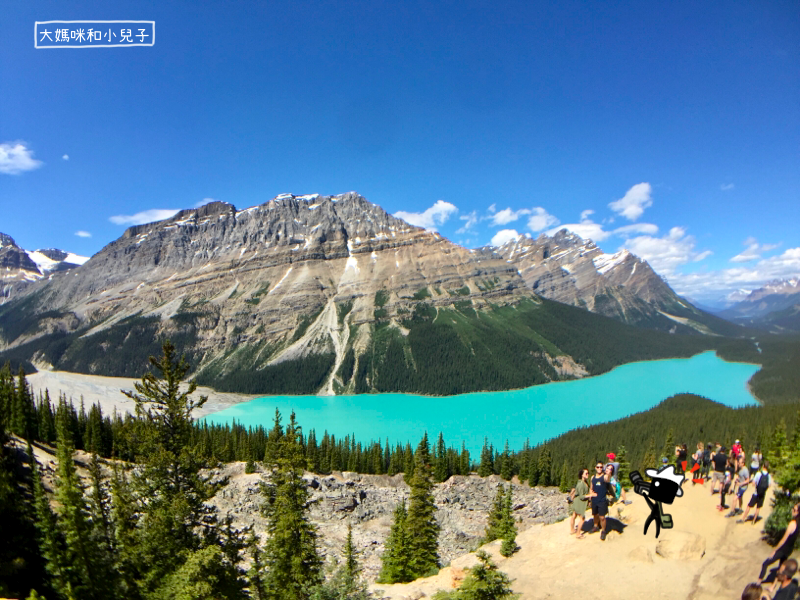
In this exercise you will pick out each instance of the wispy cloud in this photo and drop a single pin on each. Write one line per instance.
(753, 250)
(506, 216)
(587, 229)
(470, 221)
(726, 186)
(83, 234)
(434, 216)
(632, 204)
(205, 201)
(16, 158)
(636, 228)
(65, 157)
(146, 216)
(504, 235)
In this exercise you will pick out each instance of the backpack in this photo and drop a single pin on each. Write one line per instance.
(706, 457)
(762, 485)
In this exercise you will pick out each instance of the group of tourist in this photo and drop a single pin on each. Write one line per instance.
(733, 474)
(602, 490)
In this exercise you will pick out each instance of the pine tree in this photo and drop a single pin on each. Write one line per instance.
(506, 469)
(507, 526)
(624, 471)
(396, 558)
(649, 459)
(255, 576)
(545, 466)
(23, 411)
(484, 582)
(669, 448)
(350, 560)
(291, 559)
(533, 469)
(423, 530)
(464, 465)
(779, 447)
(486, 467)
(441, 472)
(564, 485)
(494, 529)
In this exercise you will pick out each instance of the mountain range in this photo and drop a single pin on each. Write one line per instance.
(19, 267)
(331, 294)
(775, 307)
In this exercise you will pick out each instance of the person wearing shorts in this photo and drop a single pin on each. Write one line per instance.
(740, 485)
(599, 496)
(761, 482)
(720, 460)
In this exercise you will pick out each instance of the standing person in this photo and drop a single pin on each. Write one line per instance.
(580, 500)
(683, 453)
(736, 449)
(599, 496)
(786, 545)
(697, 463)
(740, 485)
(756, 459)
(720, 461)
(706, 466)
(620, 488)
(730, 469)
(761, 482)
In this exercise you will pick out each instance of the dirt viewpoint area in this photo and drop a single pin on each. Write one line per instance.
(705, 557)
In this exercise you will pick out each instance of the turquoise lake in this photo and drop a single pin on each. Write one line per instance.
(537, 413)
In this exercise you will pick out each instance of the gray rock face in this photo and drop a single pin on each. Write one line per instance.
(368, 501)
(569, 269)
(251, 276)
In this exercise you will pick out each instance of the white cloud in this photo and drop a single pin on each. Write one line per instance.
(205, 201)
(16, 158)
(504, 235)
(470, 221)
(146, 216)
(492, 208)
(636, 228)
(83, 234)
(437, 214)
(586, 229)
(753, 250)
(540, 219)
(726, 186)
(665, 254)
(65, 157)
(632, 204)
(715, 285)
(507, 215)
(586, 214)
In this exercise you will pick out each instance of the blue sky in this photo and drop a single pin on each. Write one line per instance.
(677, 124)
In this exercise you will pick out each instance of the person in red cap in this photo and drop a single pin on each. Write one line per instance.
(612, 460)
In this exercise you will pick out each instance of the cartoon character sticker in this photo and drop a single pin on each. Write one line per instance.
(664, 487)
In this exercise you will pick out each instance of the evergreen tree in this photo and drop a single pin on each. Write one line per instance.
(650, 460)
(408, 463)
(484, 582)
(423, 530)
(464, 466)
(255, 576)
(396, 558)
(350, 560)
(545, 466)
(669, 448)
(564, 485)
(174, 522)
(507, 526)
(624, 471)
(494, 529)
(441, 472)
(506, 469)
(345, 582)
(486, 467)
(23, 411)
(292, 563)
(533, 469)
(779, 447)
(87, 565)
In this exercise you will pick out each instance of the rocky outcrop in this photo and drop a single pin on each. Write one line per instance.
(569, 269)
(368, 501)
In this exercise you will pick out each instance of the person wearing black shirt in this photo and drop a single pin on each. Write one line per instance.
(720, 460)
(785, 587)
(599, 496)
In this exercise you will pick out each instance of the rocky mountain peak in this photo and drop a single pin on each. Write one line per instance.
(7, 240)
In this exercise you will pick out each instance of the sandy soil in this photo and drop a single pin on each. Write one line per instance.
(706, 556)
(106, 391)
